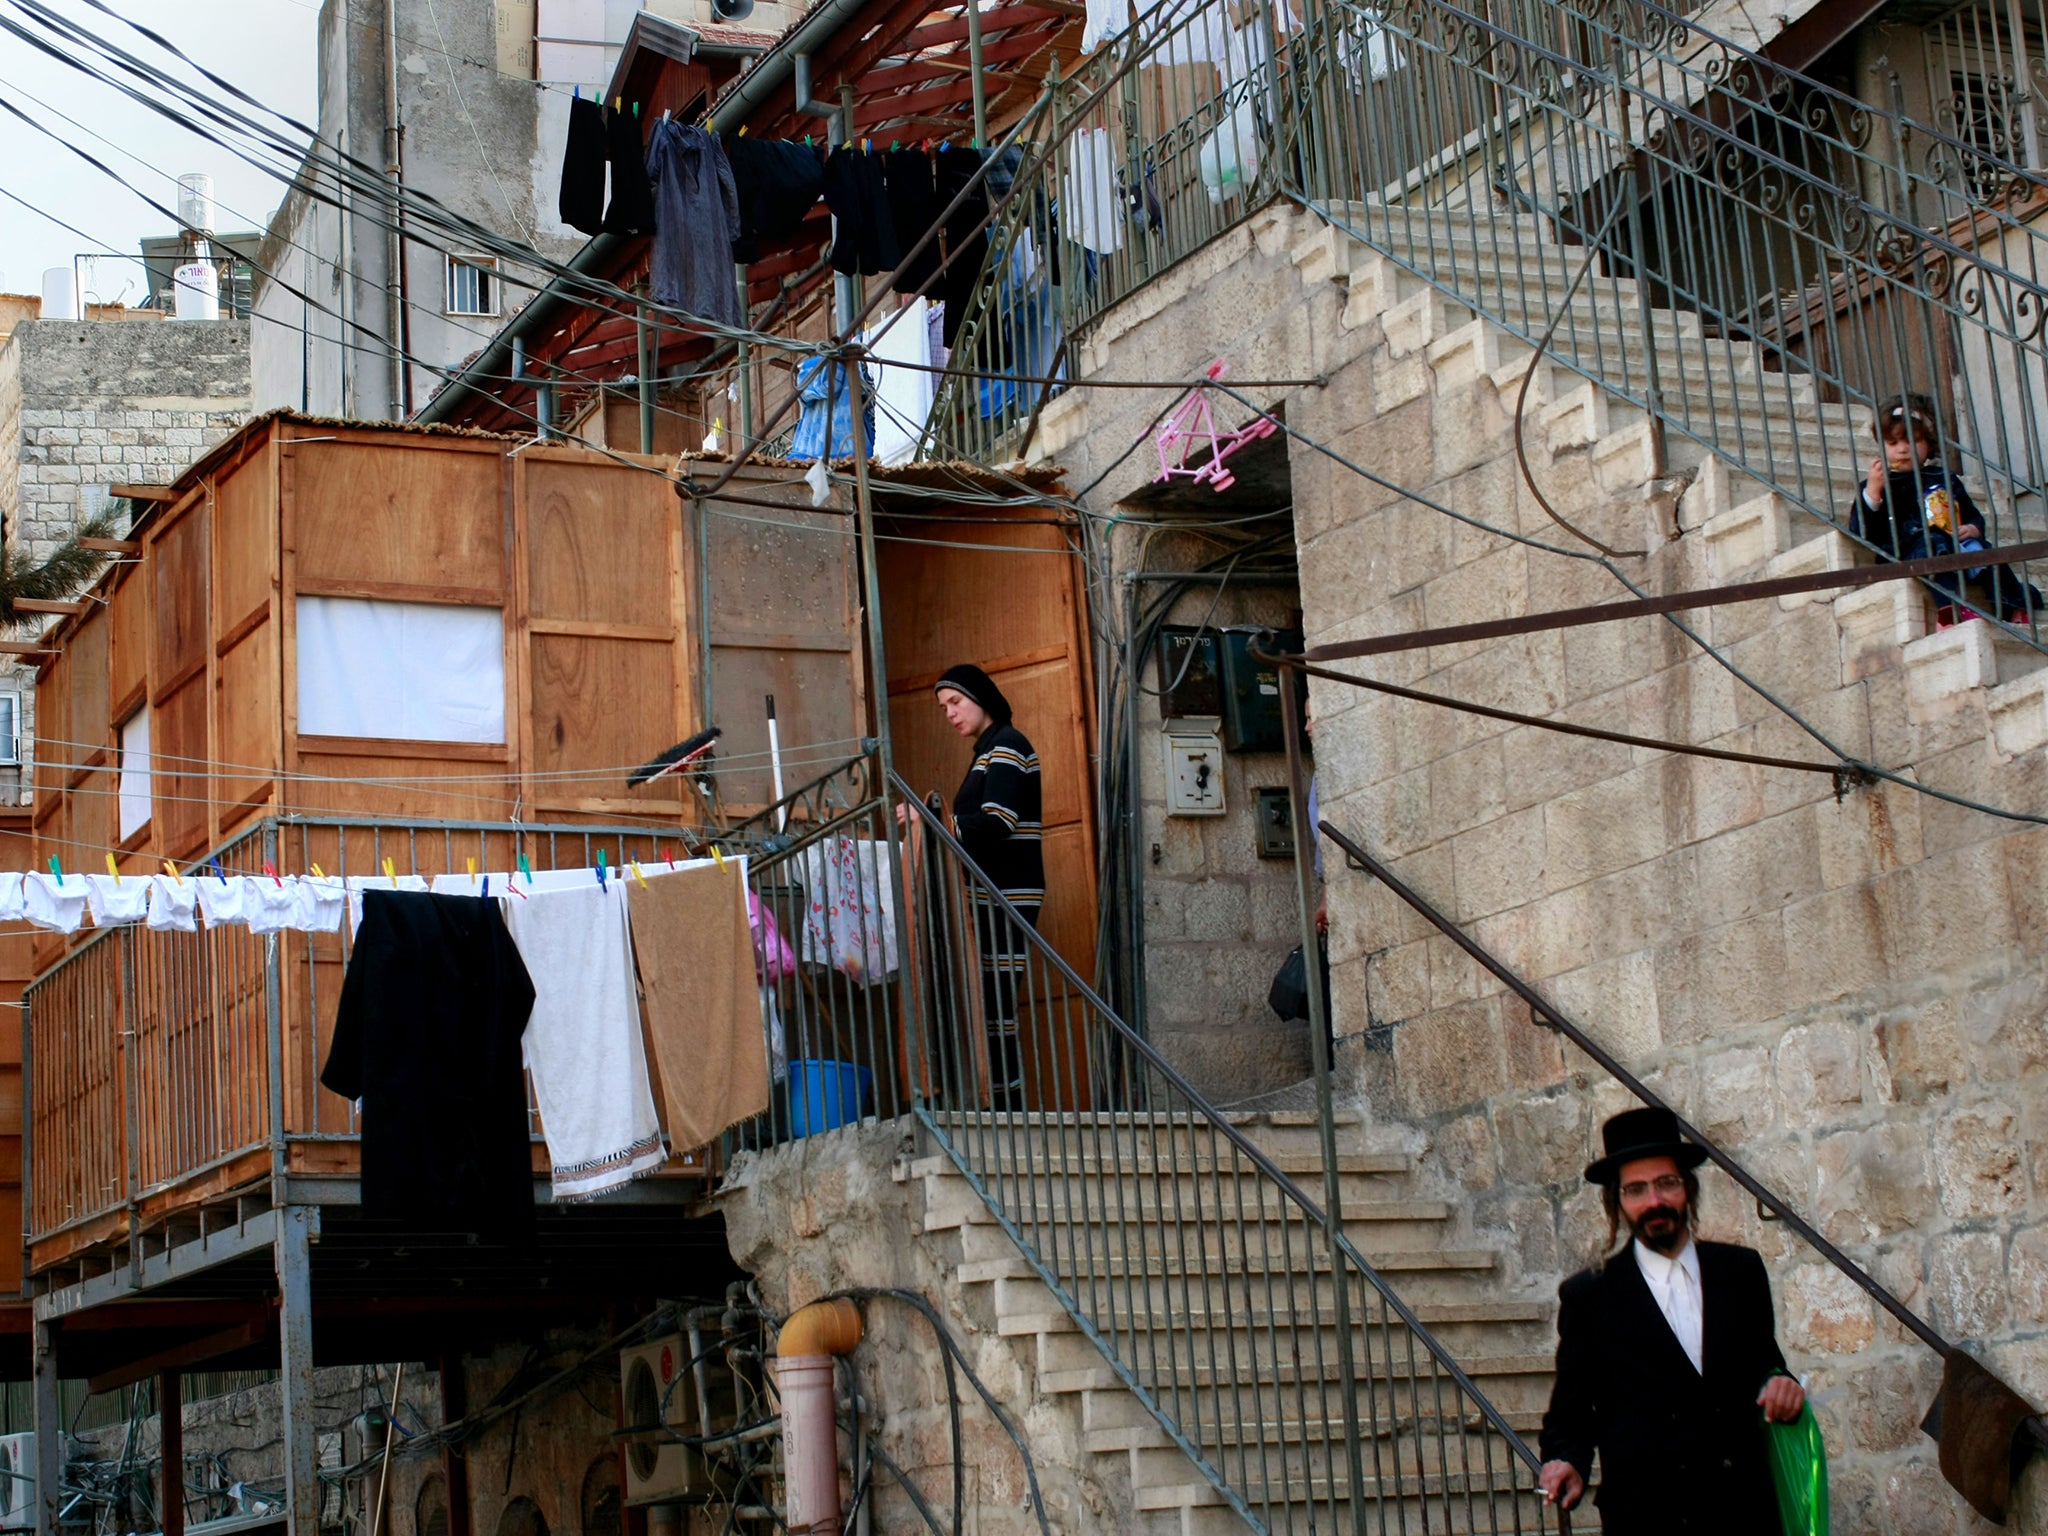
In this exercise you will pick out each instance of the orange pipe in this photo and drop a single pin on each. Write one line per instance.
(822, 1328)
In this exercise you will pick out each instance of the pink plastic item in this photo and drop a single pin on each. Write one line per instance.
(1192, 426)
(773, 957)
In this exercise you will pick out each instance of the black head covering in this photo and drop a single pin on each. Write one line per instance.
(978, 686)
(1637, 1133)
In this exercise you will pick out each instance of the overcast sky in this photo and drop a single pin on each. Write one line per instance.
(264, 46)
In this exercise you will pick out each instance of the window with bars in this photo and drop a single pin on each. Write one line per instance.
(472, 285)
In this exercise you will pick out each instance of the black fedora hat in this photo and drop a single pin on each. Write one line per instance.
(1638, 1133)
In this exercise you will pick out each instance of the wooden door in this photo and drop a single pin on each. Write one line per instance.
(1007, 597)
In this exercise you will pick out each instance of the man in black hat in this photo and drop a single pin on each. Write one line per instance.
(1666, 1360)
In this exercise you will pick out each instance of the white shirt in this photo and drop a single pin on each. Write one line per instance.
(1675, 1283)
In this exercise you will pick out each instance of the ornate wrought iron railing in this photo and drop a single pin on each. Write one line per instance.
(1760, 259)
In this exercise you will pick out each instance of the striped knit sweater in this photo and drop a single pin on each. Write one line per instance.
(997, 813)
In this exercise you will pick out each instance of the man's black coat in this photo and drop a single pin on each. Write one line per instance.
(1680, 1450)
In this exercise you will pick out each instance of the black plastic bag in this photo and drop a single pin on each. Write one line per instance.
(1289, 995)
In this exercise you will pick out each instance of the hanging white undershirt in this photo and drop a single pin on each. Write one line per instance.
(1675, 1285)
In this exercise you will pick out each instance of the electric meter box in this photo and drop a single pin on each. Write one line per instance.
(1251, 689)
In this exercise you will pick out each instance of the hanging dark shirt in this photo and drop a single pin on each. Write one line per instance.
(859, 200)
(778, 181)
(427, 1036)
(581, 202)
(697, 212)
(632, 209)
(966, 246)
(908, 176)
(997, 812)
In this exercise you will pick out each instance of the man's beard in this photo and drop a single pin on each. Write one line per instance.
(1662, 1228)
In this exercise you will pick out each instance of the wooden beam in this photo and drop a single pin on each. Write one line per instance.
(24, 648)
(46, 605)
(197, 1351)
(145, 492)
(112, 546)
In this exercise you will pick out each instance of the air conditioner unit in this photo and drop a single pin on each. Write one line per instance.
(659, 1387)
(17, 1481)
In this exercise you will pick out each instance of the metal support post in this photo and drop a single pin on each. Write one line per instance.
(273, 1010)
(974, 78)
(648, 350)
(49, 1422)
(293, 1253)
(170, 1418)
(1319, 1045)
(454, 1459)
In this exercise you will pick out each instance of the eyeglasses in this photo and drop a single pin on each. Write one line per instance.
(1669, 1184)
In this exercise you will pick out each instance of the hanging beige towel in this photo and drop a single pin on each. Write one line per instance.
(702, 1001)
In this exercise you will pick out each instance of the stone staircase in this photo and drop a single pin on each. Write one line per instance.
(1182, 1325)
(1744, 530)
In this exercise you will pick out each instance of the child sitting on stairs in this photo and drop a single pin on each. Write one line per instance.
(1913, 506)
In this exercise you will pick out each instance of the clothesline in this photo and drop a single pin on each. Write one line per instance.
(270, 902)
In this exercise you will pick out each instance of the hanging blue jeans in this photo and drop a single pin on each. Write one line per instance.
(820, 389)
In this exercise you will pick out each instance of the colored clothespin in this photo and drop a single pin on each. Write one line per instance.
(391, 872)
(578, 92)
(718, 856)
(807, 141)
(618, 103)
(639, 875)
(319, 873)
(894, 145)
(55, 873)
(220, 873)
(525, 869)
(669, 854)
(113, 869)
(172, 870)
(271, 871)
(472, 871)
(743, 131)
(636, 110)
(600, 869)
(487, 887)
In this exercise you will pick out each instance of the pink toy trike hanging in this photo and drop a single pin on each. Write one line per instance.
(1192, 427)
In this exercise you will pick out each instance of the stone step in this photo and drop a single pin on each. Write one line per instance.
(1527, 1515)
(1018, 1318)
(1944, 667)
(1312, 1425)
(1447, 1496)
(1147, 1218)
(1229, 1165)
(1215, 1267)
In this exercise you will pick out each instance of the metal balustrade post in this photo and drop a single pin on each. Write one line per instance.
(274, 1035)
(1319, 1046)
(292, 1254)
(50, 1428)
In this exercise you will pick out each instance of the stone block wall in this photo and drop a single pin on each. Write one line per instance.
(840, 1210)
(87, 404)
(1850, 992)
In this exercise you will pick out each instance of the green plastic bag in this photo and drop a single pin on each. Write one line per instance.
(1799, 1466)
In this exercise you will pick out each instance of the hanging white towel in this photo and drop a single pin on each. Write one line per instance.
(1090, 207)
(223, 900)
(271, 903)
(583, 1042)
(52, 902)
(173, 904)
(903, 392)
(318, 902)
(13, 908)
(114, 902)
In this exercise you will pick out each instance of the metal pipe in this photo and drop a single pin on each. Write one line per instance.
(646, 353)
(974, 65)
(394, 170)
(1319, 1054)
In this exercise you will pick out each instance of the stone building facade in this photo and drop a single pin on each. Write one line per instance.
(85, 405)
(1848, 991)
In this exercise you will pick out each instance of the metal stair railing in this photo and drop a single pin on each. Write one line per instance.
(1769, 257)
(1784, 258)
(1545, 1014)
(1268, 1348)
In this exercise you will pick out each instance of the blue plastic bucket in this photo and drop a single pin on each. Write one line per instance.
(825, 1094)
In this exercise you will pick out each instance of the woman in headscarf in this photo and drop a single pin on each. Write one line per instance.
(996, 814)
